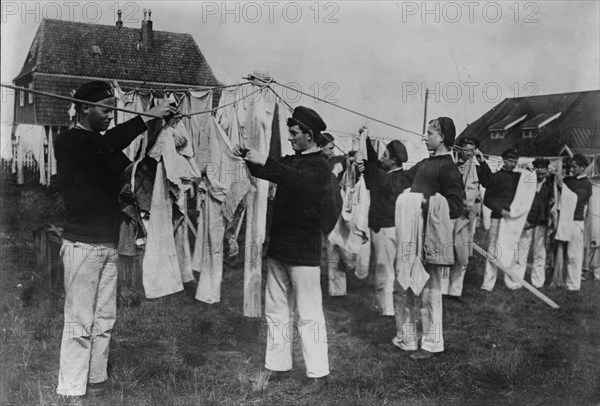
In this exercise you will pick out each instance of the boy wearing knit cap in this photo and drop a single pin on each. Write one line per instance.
(501, 188)
(294, 254)
(385, 181)
(89, 167)
(435, 175)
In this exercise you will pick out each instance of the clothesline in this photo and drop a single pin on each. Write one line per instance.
(180, 89)
(347, 109)
(141, 113)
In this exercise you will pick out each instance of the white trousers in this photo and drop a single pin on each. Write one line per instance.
(297, 288)
(489, 277)
(90, 313)
(533, 239)
(384, 250)
(517, 251)
(456, 280)
(430, 303)
(575, 257)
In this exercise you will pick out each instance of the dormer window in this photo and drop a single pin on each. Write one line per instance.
(498, 130)
(529, 133)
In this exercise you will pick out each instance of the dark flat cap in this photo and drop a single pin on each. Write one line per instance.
(468, 140)
(510, 153)
(541, 163)
(448, 130)
(94, 91)
(326, 138)
(397, 151)
(309, 118)
(580, 160)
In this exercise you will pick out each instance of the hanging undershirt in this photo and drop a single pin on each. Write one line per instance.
(132, 100)
(198, 125)
(511, 228)
(225, 185)
(31, 138)
(5, 136)
(162, 275)
(410, 271)
(228, 117)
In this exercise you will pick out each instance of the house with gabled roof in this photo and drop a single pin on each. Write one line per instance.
(550, 125)
(66, 54)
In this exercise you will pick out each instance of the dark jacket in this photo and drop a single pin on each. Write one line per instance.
(583, 188)
(439, 174)
(302, 184)
(385, 188)
(89, 167)
(501, 188)
(540, 208)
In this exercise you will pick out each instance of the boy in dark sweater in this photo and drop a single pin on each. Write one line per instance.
(579, 183)
(385, 181)
(501, 188)
(294, 253)
(89, 168)
(437, 174)
(534, 232)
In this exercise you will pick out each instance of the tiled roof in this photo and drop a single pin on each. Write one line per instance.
(578, 126)
(65, 47)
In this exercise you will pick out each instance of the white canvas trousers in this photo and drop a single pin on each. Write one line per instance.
(384, 250)
(296, 288)
(430, 303)
(575, 257)
(90, 313)
(533, 239)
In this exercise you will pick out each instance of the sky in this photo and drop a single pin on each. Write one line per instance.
(376, 58)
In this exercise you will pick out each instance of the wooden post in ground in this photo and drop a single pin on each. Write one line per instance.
(510, 273)
(252, 261)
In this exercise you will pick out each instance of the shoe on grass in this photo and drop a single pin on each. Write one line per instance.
(279, 375)
(314, 386)
(96, 389)
(421, 355)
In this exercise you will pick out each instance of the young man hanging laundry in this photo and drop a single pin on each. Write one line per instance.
(89, 166)
(580, 184)
(437, 183)
(385, 180)
(501, 188)
(294, 254)
(536, 227)
(465, 225)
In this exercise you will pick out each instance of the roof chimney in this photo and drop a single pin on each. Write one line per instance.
(146, 35)
(119, 22)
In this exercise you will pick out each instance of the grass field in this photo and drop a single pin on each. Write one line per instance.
(505, 347)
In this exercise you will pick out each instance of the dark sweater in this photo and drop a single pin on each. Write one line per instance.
(439, 174)
(89, 167)
(583, 188)
(385, 188)
(540, 208)
(501, 188)
(301, 188)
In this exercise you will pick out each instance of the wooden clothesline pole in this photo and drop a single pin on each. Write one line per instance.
(517, 279)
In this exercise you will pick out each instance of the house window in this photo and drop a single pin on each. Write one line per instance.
(21, 98)
(529, 133)
(497, 135)
(29, 94)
